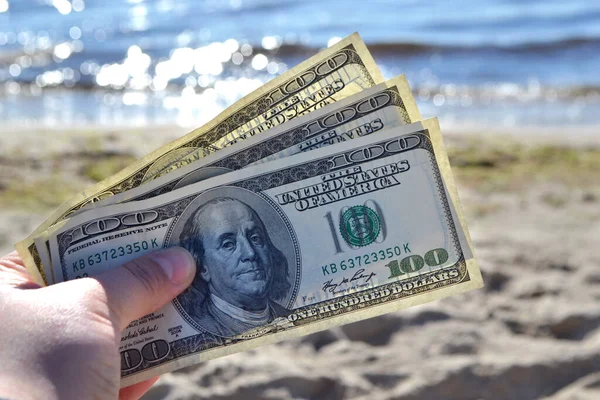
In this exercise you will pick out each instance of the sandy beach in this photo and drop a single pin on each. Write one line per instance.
(532, 200)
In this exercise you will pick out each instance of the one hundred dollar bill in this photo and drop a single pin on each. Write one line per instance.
(373, 110)
(285, 248)
(335, 73)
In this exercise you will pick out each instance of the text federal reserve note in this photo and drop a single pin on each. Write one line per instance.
(285, 248)
(335, 73)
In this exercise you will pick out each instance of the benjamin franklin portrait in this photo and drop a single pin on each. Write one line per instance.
(240, 276)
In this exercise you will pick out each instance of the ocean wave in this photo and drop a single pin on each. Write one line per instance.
(414, 47)
(377, 48)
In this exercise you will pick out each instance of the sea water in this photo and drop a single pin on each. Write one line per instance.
(498, 63)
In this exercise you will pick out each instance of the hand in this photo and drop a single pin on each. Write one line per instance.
(62, 341)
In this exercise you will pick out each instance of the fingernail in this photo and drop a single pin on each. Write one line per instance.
(177, 263)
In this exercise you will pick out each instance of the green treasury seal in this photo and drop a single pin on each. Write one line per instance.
(359, 226)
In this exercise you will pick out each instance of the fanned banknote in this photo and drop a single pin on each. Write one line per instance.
(336, 73)
(285, 248)
(381, 107)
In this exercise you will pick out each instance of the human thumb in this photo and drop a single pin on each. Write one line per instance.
(143, 285)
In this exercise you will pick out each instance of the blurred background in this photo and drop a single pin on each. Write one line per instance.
(140, 62)
(88, 86)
